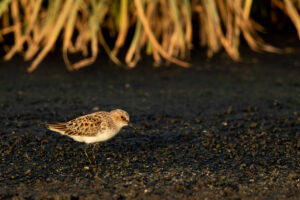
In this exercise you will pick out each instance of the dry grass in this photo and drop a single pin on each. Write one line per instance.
(162, 28)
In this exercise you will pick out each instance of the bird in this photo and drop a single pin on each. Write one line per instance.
(93, 128)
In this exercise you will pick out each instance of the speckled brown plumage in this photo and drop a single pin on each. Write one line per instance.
(98, 126)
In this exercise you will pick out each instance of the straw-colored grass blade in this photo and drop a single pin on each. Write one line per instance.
(3, 6)
(294, 15)
(212, 21)
(236, 30)
(99, 9)
(132, 55)
(16, 21)
(69, 30)
(247, 8)
(178, 35)
(41, 31)
(163, 29)
(189, 26)
(107, 49)
(31, 24)
(123, 29)
(52, 37)
(155, 43)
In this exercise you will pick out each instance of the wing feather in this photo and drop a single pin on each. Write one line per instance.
(59, 127)
(87, 125)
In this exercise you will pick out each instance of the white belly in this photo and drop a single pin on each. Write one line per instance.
(99, 138)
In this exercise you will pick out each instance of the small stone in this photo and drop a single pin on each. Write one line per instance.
(96, 108)
(229, 110)
(27, 172)
(253, 125)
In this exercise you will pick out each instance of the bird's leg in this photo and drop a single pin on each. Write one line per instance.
(86, 147)
(93, 152)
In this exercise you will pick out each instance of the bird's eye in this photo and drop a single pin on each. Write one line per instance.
(122, 117)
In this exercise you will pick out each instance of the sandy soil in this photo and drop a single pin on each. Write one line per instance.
(218, 130)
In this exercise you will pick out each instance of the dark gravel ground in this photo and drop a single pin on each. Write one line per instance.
(218, 130)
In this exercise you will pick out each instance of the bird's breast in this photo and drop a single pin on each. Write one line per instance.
(100, 137)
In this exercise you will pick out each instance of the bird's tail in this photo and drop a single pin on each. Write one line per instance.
(59, 127)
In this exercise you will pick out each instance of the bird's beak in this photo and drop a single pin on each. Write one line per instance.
(131, 126)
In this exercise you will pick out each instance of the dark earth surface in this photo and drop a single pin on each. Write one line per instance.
(218, 130)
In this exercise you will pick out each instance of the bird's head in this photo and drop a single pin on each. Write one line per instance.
(120, 117)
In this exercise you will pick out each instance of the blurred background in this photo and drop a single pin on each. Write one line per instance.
(212, 87)
(165, 30)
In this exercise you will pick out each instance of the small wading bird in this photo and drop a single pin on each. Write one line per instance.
(92, 128)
